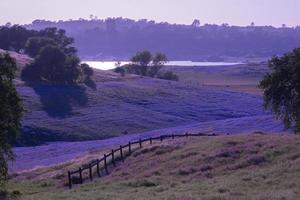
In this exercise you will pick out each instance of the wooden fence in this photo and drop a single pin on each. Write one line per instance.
(117, 154)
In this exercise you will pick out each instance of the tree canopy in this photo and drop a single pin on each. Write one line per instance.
(159, 59)
(142, 58)
(10, 113)
(35, 44)
(15, 37)
(282, 88)
(53, 67)
(145, 58)
(122, 37)
(144, 63)
(55, 59)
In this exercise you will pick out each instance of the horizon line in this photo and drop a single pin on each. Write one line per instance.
(95, 18)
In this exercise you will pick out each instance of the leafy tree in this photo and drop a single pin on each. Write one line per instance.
(120, 70)
(282, 88)
(168, 75)
(145, 64)
(50, 36)
(142, 58)
(153, 70)
(87, 70)
(133, 69)
(52, 66)
(14, 38)
(35, 44)
(56, 61)
(10, 113)
(60, 38)
(159, 59)
(196, 23)
(17, 38)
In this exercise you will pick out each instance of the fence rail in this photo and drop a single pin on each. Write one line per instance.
(121, 151)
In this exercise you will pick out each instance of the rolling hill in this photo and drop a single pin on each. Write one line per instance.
(242, 167)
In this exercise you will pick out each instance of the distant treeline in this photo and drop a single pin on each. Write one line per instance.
(120, 38)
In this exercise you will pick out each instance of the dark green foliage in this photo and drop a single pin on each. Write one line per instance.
(142, 58)
(120, 70)
(282, 88)
(35, 44)
(56, 62)
(5, 195)
(60, 38)
(153, 70)
(14, 38)
(87, 70)
(135, 69)
(17, 38)
(145, 64)
(159, 59)
(10, 113)
(52, 66)
(56, 72)
(142, 183)
(168, 76)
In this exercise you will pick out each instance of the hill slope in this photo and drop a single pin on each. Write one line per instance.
(21, 59)
(134, 104)
(113, 104)
(243, 167)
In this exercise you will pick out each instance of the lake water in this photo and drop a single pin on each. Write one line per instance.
(108, 65)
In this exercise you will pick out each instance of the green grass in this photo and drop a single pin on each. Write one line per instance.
(258, 167)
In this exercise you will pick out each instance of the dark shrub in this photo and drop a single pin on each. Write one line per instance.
(143, 183)
(168, 76)
(120, 70)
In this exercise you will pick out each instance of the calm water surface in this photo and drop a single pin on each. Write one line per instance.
(108, 65)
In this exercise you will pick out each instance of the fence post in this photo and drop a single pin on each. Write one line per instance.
(172, 136)
(186, 135)
(140, 141)
(105, 164)
(98, 168)
(70, 179)
(80, 175)
(91, 172)
(121, 153)
(113, 157)
(129, 147)
(161, 138)
(150, 140)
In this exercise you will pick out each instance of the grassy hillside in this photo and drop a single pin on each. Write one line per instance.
(21, 59)
(133, 104)
(240, 78)
(242, 167)
(113, 104)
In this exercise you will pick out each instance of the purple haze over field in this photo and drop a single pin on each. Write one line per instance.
(235, 12)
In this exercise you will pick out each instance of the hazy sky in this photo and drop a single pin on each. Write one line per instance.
(234, 12)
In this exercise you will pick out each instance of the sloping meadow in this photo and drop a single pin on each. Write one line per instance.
(241, 167)
(130, 105)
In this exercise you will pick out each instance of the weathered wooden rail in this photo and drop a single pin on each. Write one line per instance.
(121, 151)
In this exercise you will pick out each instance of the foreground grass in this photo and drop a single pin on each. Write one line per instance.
(255, 166)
